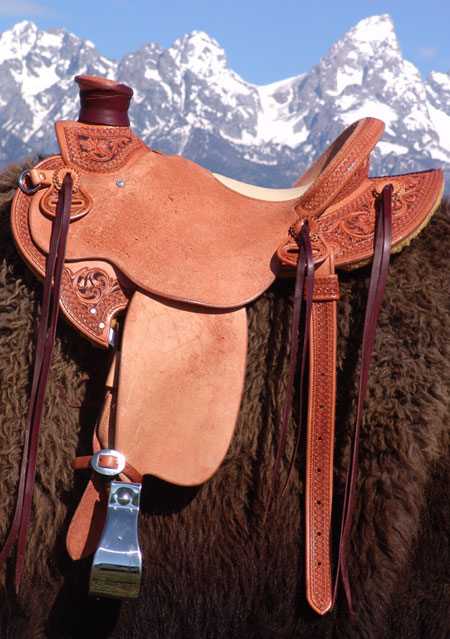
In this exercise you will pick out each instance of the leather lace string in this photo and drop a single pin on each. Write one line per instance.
(44, 349)
(305, 263)
(378, 277)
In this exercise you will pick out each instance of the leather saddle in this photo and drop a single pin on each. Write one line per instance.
(116, 228)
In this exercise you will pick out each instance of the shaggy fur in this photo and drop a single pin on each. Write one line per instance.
(211, 569)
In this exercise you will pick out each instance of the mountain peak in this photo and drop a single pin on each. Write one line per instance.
(200, 53)
(18, 41)
(23, 27)
(374, 29)
(371, 38)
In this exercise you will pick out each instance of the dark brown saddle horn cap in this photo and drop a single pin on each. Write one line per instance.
(103, 101)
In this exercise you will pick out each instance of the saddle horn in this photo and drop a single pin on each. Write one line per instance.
(103, 101)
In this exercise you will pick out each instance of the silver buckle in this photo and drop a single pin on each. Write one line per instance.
(117, 567)
(102, 470)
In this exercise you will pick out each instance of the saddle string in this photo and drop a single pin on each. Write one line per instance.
(377, 284)
(306, 338)
(44, 348)
(305, 263)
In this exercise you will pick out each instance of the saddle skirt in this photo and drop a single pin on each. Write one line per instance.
(181, 251)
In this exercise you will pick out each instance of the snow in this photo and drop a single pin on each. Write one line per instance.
(373, 30)
(199, 53)
(152, 74)
(389, 147)
(344, 102)
(34, 83)
(443, 79)
(346, 76)
(274, 122)
(49, 40)
(417, 118)
(18, 41)
(372, 109)
(441, 124)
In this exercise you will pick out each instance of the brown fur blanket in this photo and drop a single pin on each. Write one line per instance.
(211, 569)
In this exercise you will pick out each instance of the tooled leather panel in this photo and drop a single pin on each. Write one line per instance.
(349, 226)
(319, 450)
(326, 288)
(342, 168)
(91, 295)
(91, 292)
(98, 149)
(355, 181)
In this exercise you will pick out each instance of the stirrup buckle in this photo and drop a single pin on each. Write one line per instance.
(109, 471)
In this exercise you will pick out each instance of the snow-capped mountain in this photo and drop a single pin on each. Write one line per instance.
(188, 101)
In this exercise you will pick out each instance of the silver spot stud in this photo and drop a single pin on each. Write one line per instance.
(120, 182)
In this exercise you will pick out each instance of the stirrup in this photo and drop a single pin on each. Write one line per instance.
(117, 567)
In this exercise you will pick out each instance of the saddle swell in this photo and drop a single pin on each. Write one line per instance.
(181, 251)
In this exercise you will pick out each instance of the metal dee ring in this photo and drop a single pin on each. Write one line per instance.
(24, 188)
(109, 472)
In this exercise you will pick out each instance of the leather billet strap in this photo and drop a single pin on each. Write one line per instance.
(320, 437)
(44, 348)
(321, 292)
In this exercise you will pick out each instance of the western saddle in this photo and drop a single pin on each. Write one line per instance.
(113, 227)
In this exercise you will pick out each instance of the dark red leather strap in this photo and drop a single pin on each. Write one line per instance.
(376, 289)
(44, 349)
(305, 263)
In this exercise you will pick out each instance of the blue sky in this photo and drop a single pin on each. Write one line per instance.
(264, 40)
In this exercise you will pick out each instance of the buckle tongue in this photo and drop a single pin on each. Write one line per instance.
(117, 567)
